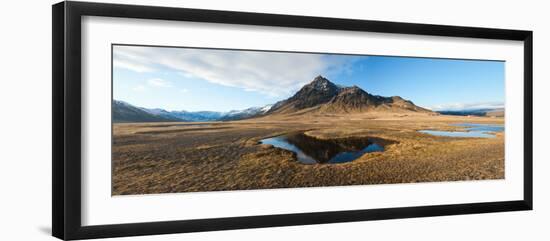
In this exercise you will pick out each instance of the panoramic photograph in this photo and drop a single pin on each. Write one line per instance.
(200, 120)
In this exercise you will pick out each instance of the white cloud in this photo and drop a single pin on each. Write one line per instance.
(184, 90)
(117, 63)
(186, 75)
(131, 60)
(272, 73)
(139, 88)
(468, 106)
(156, 82)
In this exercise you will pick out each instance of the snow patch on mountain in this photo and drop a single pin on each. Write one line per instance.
(197, 116)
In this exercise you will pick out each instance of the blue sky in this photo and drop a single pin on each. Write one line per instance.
(223, 80)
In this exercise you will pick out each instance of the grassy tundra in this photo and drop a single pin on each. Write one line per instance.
(210, 156)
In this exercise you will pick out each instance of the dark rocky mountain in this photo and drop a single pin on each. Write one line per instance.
(317, 92)
(323, 96)
(124, 112)
(319, 96)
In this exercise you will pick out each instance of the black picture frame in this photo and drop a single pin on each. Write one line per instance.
(66, 127)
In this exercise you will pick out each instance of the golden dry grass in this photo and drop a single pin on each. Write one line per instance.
(190, 157)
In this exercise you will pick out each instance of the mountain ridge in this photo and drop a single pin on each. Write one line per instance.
(320, 96)
(324, 96)
(123, 112)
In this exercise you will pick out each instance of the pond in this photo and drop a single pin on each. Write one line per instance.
(472, 130)
(310, 150)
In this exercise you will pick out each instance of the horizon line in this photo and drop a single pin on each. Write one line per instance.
(173, 110)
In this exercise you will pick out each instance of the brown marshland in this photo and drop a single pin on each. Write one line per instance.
(164, 157)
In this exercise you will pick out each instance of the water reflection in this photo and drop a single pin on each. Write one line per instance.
(311, 150)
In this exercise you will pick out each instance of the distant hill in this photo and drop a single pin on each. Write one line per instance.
(323, 96)
(186, 115)
(498, 112)
(124, 112)
(245, 114)
(495, 113)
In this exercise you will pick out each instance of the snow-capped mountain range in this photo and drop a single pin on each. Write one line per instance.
(125, 112)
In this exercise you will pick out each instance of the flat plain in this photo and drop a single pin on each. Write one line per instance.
(170, 157)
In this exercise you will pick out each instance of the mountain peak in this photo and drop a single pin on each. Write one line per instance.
(321, 83)
(320, 90)
(354, 88)
(322, 95)
(320, 78)
(396, 97)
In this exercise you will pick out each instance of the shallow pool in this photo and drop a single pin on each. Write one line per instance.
(472, 130)
(310, 150)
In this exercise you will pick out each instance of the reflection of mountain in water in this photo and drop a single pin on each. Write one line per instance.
(311, 150)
